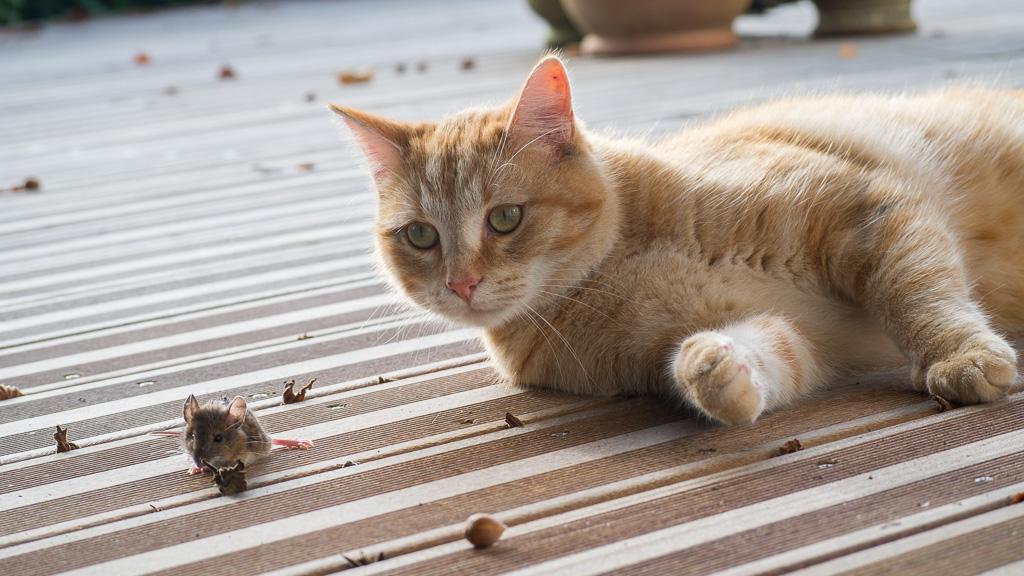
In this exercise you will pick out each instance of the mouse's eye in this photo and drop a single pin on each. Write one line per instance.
(218, 438)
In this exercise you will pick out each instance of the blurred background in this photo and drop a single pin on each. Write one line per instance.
(242, 84)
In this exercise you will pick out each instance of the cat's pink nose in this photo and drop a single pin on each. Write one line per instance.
(464, 287)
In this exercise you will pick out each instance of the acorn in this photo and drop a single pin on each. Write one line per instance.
(482, 530)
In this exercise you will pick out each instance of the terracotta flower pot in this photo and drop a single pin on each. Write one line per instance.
(847, 17)
(561, 32)
(633, 26)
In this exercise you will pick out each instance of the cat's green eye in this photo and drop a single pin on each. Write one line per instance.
(505, 218)
(422, 236)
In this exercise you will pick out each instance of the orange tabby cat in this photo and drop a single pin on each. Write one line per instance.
(739, 265)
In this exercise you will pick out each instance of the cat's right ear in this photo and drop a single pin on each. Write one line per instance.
(191, 406)
(543, 114)
(381, 139)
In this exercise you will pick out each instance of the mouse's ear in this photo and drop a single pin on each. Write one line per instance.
(191, 406)
(236, 410)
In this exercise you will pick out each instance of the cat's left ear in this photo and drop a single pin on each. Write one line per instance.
(543, 114)
(382, 140)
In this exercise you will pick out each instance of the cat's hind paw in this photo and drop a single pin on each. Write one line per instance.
(717, 376)
(981, 373)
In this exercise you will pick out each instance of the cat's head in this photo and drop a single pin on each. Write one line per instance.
(484, 214)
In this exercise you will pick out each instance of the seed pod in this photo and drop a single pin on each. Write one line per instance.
(482, 530)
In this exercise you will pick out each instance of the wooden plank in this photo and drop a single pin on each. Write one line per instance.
(708, 509)
(178, 247)
(981, 543)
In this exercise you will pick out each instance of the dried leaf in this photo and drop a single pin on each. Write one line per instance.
(467, 64)
(142, 58)
(8, 392)
(847, 51)
(355, 76)
(791, 446)
(944, 405)
(306, 167)
(384, 379)
(512, 421)
(61, 436)
(304, 336)
(290, 397)
(361, 558)
(229, 480)
(349, 464)
(1017, 498)
(227, 73)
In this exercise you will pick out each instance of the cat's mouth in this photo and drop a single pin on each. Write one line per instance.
(479, 314)
(486, 309)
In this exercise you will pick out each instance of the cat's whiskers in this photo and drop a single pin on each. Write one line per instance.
(428, 320)
(585, 278)
(497, 171)
(580, 302)
(569, 287)
(387, 309)
(508, 162)
(499, 149)
(554, 351)
(418, 319)
(586, 376)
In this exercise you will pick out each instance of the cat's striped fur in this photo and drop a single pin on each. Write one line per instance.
(737, 265)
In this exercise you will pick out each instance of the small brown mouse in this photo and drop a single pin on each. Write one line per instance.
(223, 434)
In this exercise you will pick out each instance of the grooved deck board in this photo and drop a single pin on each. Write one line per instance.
(178, 246)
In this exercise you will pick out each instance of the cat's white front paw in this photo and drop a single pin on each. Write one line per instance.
(717, 376)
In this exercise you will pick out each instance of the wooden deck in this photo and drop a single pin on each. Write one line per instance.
(208, 236)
